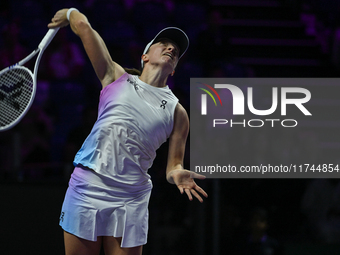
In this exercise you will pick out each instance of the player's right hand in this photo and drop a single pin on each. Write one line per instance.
(59, 19)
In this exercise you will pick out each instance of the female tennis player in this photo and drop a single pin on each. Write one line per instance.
(108, 195)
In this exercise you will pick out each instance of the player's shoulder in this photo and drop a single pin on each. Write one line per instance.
(181, 122)
(180, 112)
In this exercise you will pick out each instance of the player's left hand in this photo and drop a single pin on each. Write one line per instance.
(184, 180)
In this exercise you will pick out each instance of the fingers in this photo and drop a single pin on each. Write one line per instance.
(188, 193)
(196, 195)
(191, 192)
(52, 25)
(187, 184)
(59, 19)
(200, 190)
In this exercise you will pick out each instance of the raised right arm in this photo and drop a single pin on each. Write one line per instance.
(106, 69)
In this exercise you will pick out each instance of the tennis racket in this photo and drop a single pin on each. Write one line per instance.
(18, 86)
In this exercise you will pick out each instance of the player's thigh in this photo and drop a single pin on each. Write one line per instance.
(78, 246)
(112, 247)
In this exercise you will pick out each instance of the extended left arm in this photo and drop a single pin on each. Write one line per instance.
(175, 173)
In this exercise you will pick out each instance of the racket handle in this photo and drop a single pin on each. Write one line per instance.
(48, 38)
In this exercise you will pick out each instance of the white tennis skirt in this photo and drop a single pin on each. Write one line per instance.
(93, 207)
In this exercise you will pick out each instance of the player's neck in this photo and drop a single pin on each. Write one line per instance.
(155, 77)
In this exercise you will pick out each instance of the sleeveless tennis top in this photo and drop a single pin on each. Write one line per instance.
(134, 119)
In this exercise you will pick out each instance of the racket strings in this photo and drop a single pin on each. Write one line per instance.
(16, 88)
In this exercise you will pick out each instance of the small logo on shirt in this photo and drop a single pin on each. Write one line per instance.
(163, 104)
(133, 83)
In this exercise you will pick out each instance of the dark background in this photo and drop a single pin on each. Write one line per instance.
(260, 38)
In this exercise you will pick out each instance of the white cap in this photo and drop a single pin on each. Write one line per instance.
(174, 34)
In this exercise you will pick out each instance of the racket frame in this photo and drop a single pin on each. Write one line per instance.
(40, 49)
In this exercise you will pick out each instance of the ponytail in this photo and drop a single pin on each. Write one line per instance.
(133, 71)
